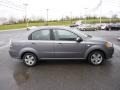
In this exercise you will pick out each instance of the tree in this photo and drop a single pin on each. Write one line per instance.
(115, 16)
(12, 20)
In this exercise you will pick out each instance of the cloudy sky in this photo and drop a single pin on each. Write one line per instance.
(58, 8)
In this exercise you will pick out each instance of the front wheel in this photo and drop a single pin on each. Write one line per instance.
(95, 29)
(29, 59)
(96, 57)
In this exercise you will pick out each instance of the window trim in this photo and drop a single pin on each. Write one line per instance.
(52, 37)
(30, 36)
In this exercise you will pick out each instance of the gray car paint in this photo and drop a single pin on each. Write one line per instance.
(69, 49)
(59, 49)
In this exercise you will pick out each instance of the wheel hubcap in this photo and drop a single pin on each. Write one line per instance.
(96, 58)
(29, 60)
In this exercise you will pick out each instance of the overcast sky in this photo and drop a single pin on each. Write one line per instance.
(58, 8)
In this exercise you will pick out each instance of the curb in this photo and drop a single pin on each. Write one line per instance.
(5, 45)
(117, 47)
(11, 30)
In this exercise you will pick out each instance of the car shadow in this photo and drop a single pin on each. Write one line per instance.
(60, 62)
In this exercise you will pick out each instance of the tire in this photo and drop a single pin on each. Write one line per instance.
(109, 29)
(30, 59)
(95, 29)
(84, 29)
(96, 58)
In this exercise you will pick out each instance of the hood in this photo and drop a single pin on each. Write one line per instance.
(96, 39)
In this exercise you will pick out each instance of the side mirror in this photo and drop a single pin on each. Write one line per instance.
(78, 39)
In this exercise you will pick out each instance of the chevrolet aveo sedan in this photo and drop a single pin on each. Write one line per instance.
(60, 43)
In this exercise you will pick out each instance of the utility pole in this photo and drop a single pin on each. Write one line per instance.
(26, 19)
(111, 13)
(71, 17)
(85, 14)
(47, 16)
(110, 20)
(100, 12)
(100, 18)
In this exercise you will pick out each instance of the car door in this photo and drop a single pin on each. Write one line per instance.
(66, 45)
(42, 43)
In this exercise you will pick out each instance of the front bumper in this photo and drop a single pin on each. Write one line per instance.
(109, 52)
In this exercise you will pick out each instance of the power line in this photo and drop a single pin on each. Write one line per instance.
(11, 4)
(97, 6)
(19, 1)
(16, 2)
(11, 7)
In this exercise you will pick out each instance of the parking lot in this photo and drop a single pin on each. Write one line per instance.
(59, 75)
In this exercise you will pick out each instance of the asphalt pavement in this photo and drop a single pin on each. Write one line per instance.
(59, 75)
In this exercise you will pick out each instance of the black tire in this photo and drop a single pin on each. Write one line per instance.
(32, 59)
(96, 61)
(110, 29)
(84, 29)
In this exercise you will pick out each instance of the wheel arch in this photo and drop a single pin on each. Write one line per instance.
(27, 50)
(21, 57)
(88, 53)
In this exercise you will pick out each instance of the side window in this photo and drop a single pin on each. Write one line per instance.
(41, 35)
(64, 35)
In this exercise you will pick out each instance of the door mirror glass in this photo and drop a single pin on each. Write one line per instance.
(78, 39)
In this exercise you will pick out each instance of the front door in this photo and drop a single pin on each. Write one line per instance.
(66, 45)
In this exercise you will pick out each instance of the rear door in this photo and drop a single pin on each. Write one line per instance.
(42, 43)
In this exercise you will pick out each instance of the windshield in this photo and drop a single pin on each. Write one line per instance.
(82, 34)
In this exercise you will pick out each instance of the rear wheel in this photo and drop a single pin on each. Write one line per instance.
(29, 59)
(110, 29)
(96, 57)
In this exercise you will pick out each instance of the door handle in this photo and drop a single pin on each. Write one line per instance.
(33, 43)
(60, 44)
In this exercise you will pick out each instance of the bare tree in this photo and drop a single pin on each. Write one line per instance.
(12, 20)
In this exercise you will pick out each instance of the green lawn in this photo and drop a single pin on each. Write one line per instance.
(68, 22)
(17, 26)
(23, 25)
(103, 20)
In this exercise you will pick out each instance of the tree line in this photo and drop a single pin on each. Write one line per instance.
(33, 19)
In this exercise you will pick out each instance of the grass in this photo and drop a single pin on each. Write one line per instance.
(51, 23)
(103, 20)
(23, 25)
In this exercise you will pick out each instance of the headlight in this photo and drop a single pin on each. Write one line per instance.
(108, 44)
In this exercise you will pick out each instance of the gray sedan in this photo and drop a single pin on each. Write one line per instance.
(59, 43)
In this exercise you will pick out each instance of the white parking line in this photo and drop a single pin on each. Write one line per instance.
(6, 45)
(117, 47)
(11, 30)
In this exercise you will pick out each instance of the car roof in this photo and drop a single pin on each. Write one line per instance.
(48, 27)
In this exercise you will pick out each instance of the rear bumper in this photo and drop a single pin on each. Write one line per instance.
(14, 54)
